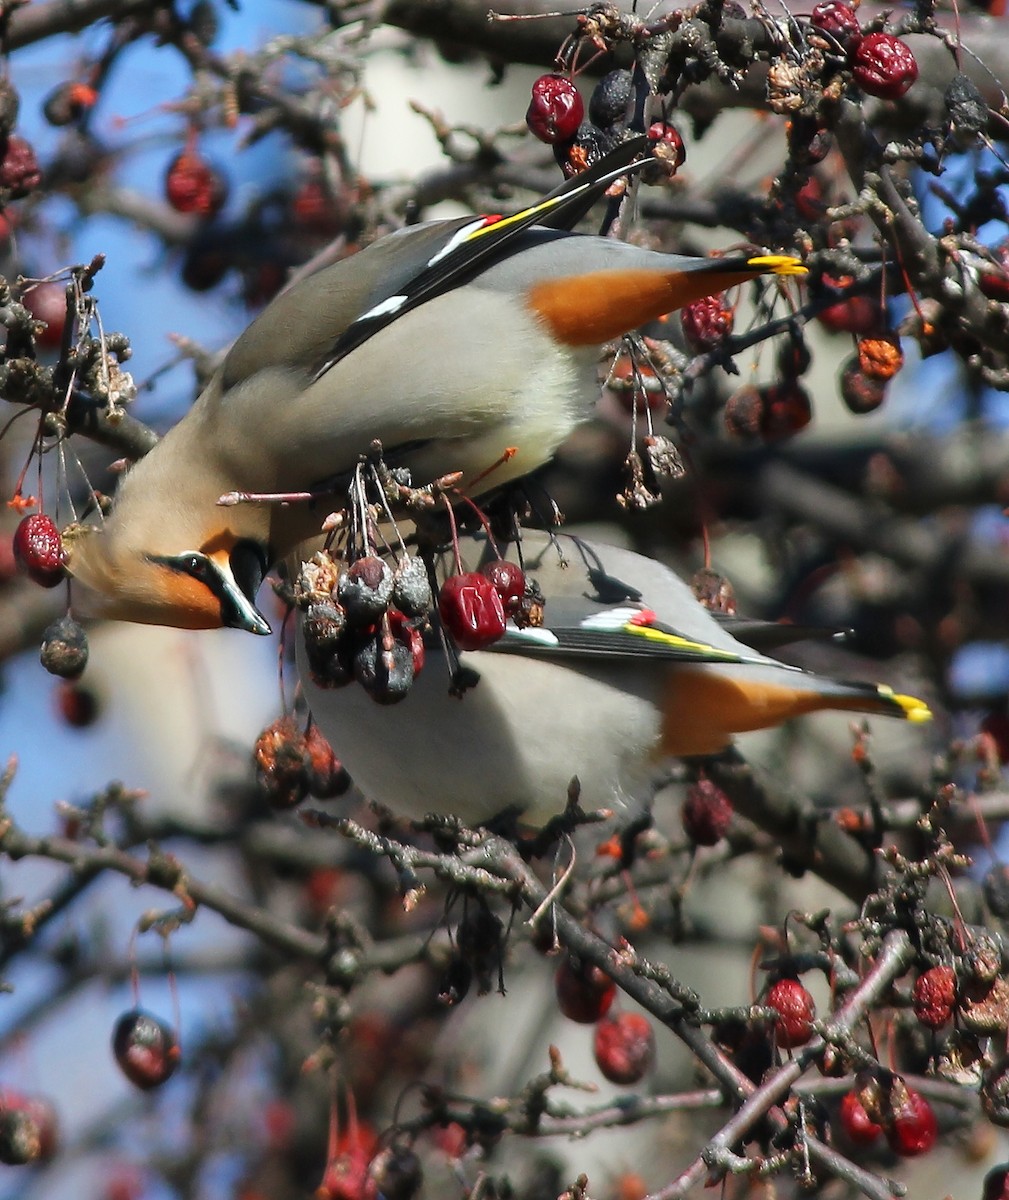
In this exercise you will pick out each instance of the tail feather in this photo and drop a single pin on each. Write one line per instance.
(703, 708)
(879, 698)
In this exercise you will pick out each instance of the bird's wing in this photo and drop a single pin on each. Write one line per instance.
(472, 245)
(622, 631)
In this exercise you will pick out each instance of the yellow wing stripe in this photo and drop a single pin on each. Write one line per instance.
(664, 638)
(525, 214)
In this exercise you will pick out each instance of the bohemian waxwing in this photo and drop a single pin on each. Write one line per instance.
(451, 343)
(627, 668)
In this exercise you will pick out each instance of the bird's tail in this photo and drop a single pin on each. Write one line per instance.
(877, 698)
(704, 708)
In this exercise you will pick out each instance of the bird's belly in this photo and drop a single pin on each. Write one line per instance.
(516, 740)
(453, 402)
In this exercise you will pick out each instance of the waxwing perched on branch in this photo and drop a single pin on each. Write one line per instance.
(627, 668)
(454, 344)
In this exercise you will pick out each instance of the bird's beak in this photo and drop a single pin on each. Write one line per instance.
(238, 612)
(241, 574)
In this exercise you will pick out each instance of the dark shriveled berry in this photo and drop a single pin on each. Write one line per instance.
(934, 996)
(584, 150)
(411, 588)
(68, 102)
(397, 1173)
(19, 168)
(280, 757)
(624, 1047)
(706, 813)
(996, 1183)
(861, 393)
(884, 66)
(555, 110)
(365, 590)
(384, 671)
(64, 648)
(995, 887)
(145, 1049)
(610, 99)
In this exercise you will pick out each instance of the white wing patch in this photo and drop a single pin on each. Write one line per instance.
(532, 633)
(390, 305)
(610, 619)
(457, 239)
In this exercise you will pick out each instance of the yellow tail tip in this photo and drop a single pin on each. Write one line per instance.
(913, 709)
(778, 264)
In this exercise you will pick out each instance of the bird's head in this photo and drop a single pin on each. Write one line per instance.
(199, 582)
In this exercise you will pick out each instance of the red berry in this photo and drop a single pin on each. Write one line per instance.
(192, 185)
(636, 385)
(315, 211)
(405, 631)
(145, 1049)
(584, 993)
(706, 322)
(706, 813)
(471, 610)
(809, 200)
(857, 314)
(786, 408)
(38, 550)
(839, 19)
(19, 168)
(47, 302)
(856, 1122)
(327, 776)
(28, 1128)
(667, 143)
(884, 66)
(507, 578)
(556, 109)
(624, 1047)
(913, 1128)
(76, 704)
(796, 1013)
(934, 996)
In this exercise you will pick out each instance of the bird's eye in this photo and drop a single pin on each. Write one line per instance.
(193, 564)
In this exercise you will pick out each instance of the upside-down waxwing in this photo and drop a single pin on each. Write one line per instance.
(626, 669)
(454, 344)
